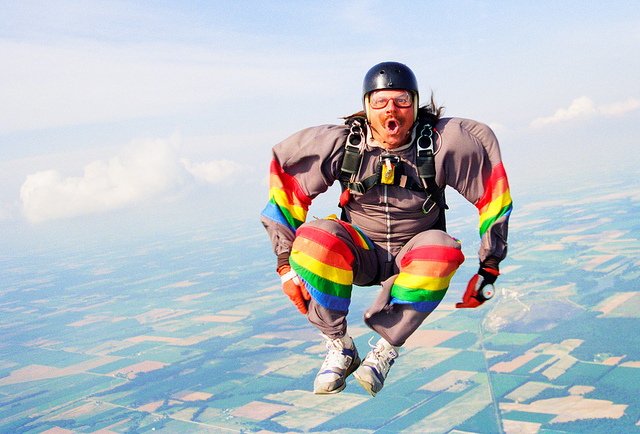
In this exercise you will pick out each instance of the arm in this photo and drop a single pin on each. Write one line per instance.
(303, 166)
(470, 156)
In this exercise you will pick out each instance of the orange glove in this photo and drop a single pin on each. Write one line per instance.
(480, 288)
(294, 288)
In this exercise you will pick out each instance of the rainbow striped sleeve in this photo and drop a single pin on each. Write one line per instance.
(288, 204)
(496, 201)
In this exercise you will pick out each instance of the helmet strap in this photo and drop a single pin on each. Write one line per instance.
(367, 97)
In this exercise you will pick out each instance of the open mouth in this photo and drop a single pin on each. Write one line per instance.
(392, 126)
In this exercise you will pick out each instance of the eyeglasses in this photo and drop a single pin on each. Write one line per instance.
(380, 100)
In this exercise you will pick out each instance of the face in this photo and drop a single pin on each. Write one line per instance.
(391, 116)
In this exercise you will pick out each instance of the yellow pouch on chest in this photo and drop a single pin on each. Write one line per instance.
(388, 173)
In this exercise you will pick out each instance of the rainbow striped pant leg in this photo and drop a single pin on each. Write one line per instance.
(427, 266)
(330, 255)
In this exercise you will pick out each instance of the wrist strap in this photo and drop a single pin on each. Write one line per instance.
(288, 276)
(491, 271)
(489, 275)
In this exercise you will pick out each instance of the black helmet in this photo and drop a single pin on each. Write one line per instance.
(390, 75)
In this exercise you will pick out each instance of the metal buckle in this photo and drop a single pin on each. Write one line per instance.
(433, 203)
(426, 128)
(355, 134)
(357, 187)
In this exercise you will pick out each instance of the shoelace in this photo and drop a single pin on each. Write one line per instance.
(335, 357)
(381, 357)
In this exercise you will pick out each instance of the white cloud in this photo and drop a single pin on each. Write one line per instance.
(580, 107)
(584, 107)
(499, 129)
(214, 172)
(145, 169)
(620, 108)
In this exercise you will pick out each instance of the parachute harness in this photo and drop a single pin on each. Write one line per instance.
(425, 161)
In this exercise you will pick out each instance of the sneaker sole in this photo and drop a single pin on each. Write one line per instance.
(330, 392)
(365, 384)
(354, 365)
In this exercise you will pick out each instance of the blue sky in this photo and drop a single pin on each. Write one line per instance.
(123, 112)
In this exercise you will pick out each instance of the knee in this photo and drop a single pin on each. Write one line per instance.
(433, 246)
(325, 263)
(436, 238)
(328, 225)
(320, 231)
(426, 270)
(323, 240)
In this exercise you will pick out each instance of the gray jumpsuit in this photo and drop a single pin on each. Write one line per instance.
(388, 236)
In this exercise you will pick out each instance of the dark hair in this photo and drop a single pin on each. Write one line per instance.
(430, 111)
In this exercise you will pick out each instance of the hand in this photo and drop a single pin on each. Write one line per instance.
(480, 288)
(294, 288)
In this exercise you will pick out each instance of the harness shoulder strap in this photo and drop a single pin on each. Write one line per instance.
(425, 160)
(353, 149)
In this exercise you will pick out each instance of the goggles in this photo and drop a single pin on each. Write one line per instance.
(379, 100)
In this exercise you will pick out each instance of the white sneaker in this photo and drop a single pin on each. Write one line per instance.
(342, 359)
(375, 367)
